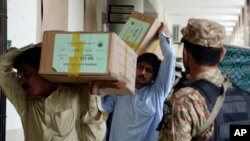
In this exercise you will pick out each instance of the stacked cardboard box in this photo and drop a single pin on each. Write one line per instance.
(71, 57)
(140, 31)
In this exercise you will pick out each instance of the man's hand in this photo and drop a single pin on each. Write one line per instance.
(163, 29)
(98, 84)
(119, 84)
(13, 52)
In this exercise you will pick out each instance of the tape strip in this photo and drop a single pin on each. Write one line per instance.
(154, 46)
(75, 61)
(138, 49)
(131, 44)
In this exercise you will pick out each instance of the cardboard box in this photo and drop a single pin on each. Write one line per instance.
(140, 31)
(71, 57)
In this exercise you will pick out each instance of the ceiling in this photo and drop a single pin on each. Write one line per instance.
(225, 12)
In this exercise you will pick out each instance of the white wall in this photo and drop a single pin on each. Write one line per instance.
(21, 21)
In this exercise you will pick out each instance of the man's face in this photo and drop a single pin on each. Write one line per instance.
(144, 73)
(31, 81)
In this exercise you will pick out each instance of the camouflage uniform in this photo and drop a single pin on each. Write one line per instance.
(186, 109)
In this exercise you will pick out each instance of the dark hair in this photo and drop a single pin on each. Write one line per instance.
(209, 56)
(152, 59)
(31, 57)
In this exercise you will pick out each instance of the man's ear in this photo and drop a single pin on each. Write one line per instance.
(223, 53)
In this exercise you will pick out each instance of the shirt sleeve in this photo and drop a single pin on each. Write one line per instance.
(95, 107)
(95, 119)
(9, 82)
(187, 112)
(108, 102)
(166, 73)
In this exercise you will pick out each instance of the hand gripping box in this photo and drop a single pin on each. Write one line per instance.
(78, 57)
(140, 31)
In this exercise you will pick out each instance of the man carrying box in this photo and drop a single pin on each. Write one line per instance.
(135, 118)
(49, 111)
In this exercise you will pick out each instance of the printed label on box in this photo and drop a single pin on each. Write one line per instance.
(81, 53)
(133, 31)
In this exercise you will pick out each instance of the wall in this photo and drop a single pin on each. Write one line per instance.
(21, 21)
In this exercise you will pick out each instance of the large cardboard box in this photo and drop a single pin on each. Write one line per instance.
(140, 31)
(71, 57)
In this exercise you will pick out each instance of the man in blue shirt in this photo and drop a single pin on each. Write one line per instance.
(135, 118)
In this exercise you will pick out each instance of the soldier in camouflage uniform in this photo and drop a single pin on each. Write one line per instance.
(186, 108)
